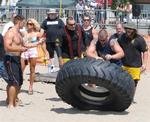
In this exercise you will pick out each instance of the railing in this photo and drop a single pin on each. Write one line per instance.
(109, 15)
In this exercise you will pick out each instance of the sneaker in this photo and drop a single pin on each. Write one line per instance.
(54, 69)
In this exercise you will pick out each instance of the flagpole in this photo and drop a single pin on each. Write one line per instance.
(60, 8)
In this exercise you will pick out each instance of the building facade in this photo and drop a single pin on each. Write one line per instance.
(145, 4)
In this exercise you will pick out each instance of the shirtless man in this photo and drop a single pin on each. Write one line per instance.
(13, 44)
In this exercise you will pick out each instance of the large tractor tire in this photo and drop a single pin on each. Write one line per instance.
(90, 84)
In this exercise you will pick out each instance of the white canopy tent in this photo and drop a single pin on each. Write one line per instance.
(9, 2)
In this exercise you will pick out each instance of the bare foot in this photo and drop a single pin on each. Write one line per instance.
(30, 92)
(11, 107)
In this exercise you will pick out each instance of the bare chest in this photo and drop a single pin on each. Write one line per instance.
(17, 40)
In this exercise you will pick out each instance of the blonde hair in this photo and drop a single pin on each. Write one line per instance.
(35, 24)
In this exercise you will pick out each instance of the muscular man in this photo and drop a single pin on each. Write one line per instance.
(13, 44)
(107, 49)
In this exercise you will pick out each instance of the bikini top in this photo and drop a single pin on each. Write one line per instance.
(34, 39)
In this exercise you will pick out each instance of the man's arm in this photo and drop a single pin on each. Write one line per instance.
(119, 53)
(95, 34)
(144, 50)
(144, 58)
(91, 50)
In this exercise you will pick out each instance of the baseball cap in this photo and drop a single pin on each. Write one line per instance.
(51, 10)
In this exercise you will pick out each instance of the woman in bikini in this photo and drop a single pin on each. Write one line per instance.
(33, 35)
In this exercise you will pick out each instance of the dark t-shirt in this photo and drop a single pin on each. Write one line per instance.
(132, 49)
(88, 36)
(74, 35)
(115, 36)
(2, 52)
(53, 29)
(105, 49)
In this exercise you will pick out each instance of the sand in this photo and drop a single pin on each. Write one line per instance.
(45, 105)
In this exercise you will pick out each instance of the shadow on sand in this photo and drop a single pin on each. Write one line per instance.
(55, 99)
(96, 112)
(34, 91)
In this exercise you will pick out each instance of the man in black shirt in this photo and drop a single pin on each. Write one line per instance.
(72, 41)
(53, 27)
(119, 32)
(134, 46)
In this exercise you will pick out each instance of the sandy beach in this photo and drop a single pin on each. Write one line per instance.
(45, 105)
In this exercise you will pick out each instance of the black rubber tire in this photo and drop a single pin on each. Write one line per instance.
(117, 85)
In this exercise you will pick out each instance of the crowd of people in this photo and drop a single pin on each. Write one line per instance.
(89, 6)
(97, 10)
(124, 12)
(126, 48)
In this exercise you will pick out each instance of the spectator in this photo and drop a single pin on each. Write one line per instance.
(72, 42)
(120, 12)
(99, 3)
(33, 35)
(128, 10)
(52, 26)
(89, 10)
(89, 31)
(93, 3)
(119, 32)
(79, 8)
(134, 46)
(102, 17)
(8, 25)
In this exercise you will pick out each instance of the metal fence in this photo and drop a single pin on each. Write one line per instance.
(109, 15)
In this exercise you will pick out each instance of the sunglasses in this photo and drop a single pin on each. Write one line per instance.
(86, 19)
(29, 23)
(71, 24)
(101, 40)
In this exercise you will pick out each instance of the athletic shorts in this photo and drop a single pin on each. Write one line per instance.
(65, 60)
(13, 69)
(50, 46)
(30, 53)
(133, 71)
(3, 72)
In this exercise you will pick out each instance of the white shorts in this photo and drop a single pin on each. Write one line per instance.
(30, 53)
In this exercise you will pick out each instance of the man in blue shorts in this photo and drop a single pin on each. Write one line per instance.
(13, 44)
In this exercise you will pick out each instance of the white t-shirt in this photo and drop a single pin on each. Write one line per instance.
(7, 26)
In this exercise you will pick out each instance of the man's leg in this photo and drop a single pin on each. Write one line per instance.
(136, 82)
(12, 91)
(18, 101)
(7, 89)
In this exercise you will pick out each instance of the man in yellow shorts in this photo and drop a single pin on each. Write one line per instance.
(136, 52)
